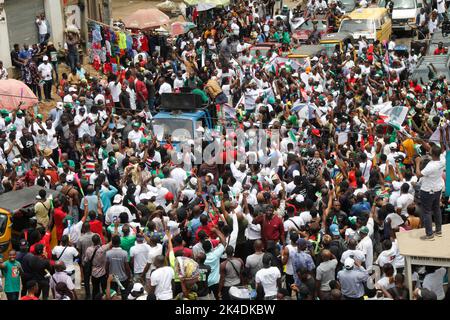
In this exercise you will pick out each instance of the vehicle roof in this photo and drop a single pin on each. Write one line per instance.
(337, 36)
(366, 13)
(306, 50)
(182, 115)
(15, 200)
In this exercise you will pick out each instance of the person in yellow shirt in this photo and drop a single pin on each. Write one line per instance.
(42, 209)
(408, 147)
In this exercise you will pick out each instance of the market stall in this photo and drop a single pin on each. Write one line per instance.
(197, 10)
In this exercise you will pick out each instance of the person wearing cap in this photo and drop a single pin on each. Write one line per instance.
(135, 135)
(60, 276)
(137, 292)
(352, 279)
(46, 72)
(116, 209)
(56, 113)
(366, 246)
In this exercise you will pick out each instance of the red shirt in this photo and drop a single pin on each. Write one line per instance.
(439, 51)
(29, 298)
(46, 242)
(97, 227)
(58, 217)
(30, 177)
(186, 251)
(141, 87)
(207, 229)
(272, 229)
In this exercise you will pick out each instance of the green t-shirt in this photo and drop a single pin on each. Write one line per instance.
(202, 94)
(286, 38)
(127, 242)
(12, 276)
(71, 164)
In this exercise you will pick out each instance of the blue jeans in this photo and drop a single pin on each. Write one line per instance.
(72, 59)
(221, 98)
(42, 37)
(431, 206)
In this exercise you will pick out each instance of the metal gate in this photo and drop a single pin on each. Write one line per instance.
(21, 18)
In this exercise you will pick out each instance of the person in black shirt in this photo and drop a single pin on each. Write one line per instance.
(124, 99)
(15, 60)
(40, 267)
(151, 91)
(202, 284)
(28, 149)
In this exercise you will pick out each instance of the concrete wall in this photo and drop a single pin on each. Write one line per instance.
(54, 13)
(4, 39)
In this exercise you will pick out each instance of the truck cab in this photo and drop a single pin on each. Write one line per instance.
(180, 116)
(404, 13)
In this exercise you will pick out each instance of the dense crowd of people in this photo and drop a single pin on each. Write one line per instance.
(316, 217)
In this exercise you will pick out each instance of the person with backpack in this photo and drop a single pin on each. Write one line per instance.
(61, 277)
(67, 254)
(230, 273)
(94, 262)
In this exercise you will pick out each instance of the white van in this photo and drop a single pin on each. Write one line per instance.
(404, 13)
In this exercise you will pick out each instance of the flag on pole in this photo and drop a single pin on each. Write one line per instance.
(79, 183)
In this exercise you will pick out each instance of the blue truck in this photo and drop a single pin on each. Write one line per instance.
(181, 111)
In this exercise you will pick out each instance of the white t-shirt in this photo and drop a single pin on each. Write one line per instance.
(355, 254)
(403, 202)
(384, 283)
(153, 252)
(84, 127)
(267, 277)
(165, 88)
(293, 222)
(396, 220)
(140, 253)
(42, 26)
(116, 89)
(162, 279)
(46, 71)
(178, 83)
(135, 136)
(74, 232)
(365, 245)
(365, 169)
(306, 217)
(67, 256)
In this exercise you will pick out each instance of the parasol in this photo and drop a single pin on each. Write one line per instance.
(146, 19)
(14, 93)
(178, 28)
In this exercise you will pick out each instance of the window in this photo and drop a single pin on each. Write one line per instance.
(357, 25)
(3, 223)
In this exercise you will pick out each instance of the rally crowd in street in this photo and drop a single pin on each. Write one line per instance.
(317, 219)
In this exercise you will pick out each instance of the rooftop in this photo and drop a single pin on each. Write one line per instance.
(410, 244)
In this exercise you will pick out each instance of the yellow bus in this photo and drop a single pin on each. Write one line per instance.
(371, 23)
